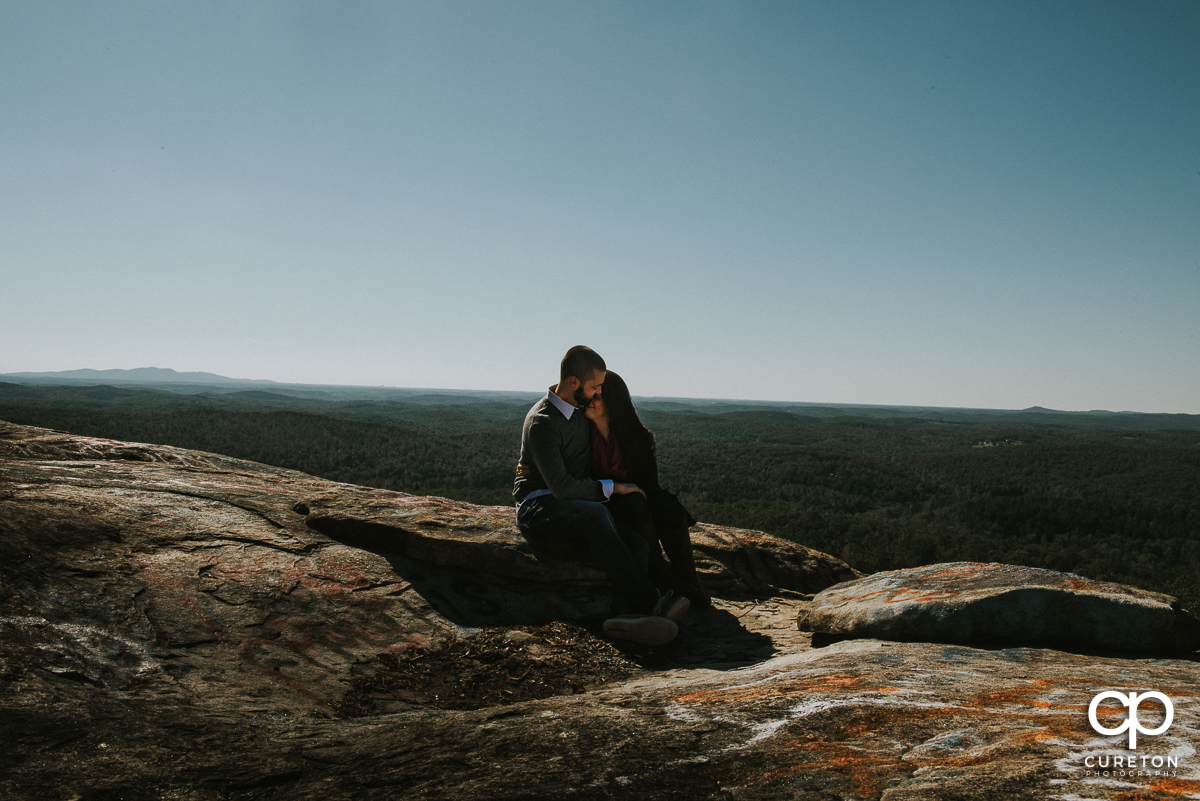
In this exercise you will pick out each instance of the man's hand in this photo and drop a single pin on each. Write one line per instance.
(627, 489)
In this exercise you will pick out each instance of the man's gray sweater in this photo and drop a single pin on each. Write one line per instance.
(556, 450)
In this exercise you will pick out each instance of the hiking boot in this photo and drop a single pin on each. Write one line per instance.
(647, 629)
(672, 606)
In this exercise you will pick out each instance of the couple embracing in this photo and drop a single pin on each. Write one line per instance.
(587, 487)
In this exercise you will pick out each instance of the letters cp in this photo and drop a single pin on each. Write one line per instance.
(1131, 723)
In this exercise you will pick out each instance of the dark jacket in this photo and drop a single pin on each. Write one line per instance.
(639, 457)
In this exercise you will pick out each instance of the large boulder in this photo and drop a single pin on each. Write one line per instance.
(995, 604)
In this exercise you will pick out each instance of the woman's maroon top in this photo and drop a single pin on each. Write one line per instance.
(605, 461)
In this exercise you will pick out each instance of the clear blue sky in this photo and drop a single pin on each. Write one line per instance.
(986, 204)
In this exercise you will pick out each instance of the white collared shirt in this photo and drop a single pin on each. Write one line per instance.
(560, 404)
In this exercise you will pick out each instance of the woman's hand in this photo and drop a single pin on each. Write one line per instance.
(596, 411)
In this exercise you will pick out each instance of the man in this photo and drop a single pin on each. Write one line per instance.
(561, 511)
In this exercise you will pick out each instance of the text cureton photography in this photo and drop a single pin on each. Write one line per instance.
(1131, 765)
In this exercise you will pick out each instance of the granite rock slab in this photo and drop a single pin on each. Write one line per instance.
(972, 603)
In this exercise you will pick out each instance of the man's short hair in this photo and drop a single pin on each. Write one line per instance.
(581, 362)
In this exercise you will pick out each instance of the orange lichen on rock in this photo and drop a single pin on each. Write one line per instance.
(830, 683)
(1165, 789)
(1023, 694)
(950, 570)
(905, 594)
(1189, 787)
(865, 771)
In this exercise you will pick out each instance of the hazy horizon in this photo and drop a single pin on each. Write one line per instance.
(267, 383)
(925, 203)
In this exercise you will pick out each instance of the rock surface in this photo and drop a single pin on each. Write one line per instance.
(180, 625)
(117, 558)
(970, 603)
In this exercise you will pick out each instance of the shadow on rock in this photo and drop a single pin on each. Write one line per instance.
(473, 598)
(481, 584)
(714, 638)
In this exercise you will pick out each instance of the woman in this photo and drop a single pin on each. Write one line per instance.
(623, 449)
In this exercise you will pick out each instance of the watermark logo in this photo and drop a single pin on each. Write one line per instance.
(1131, 723)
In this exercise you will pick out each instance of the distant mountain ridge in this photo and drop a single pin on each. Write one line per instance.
(165, 379)
(155, 375)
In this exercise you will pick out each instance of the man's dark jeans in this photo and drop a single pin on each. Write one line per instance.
(586, 530)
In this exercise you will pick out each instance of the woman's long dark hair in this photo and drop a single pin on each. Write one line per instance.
(623, 417)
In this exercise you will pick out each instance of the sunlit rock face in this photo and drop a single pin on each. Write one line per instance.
(995, 605)
(183, 625)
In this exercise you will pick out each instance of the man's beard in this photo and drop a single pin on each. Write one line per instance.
(581, 400)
